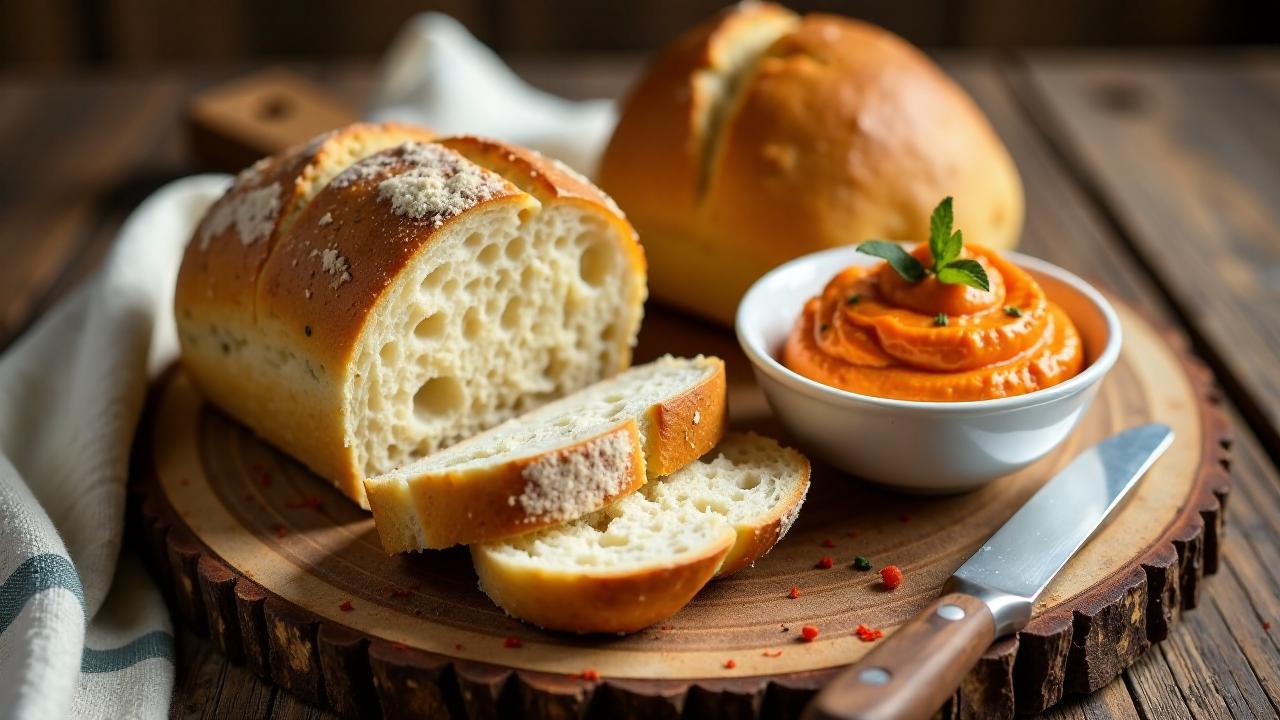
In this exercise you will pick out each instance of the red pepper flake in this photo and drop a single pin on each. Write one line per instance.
(866, 634)
(264, 480)
(795, 592)
(1266, 625)
(828, 543)
(825, 562)
(772, 653)
(730, 664)
(457, 646)
(281, 531)
(401, 647)
(809, 633)
(512, 642)
(589, 675)
(311, 501)
(904, 518)
(399, 593)
(891, 576)
(346, 606)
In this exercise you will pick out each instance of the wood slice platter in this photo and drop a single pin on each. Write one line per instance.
(287, 576)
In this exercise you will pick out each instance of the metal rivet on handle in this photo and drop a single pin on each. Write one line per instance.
(950, 612)
(874, 676)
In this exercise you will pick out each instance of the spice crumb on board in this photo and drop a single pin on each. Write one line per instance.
(281, 531)
(827, 543)
(1266, 625)
(399, 646)
(861, 563)
(589, 675)
(311, 502)
(866, 634)
(730, 664)
(891, 576)
(512, 642)
(772, 653)
(825, 562)
(809, 633)
(346, 606)
(399, 593)
(457, 646)
(795, 592)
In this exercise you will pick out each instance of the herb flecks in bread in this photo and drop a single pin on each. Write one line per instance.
(644, 557)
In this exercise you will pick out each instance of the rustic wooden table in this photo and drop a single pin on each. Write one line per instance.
(1155, 175)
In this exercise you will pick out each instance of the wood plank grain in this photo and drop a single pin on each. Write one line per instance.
(1185, 154)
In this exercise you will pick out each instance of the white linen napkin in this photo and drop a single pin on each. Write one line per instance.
(83, 631)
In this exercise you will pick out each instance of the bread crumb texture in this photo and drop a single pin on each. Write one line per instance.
(570, 483)
(747, 482)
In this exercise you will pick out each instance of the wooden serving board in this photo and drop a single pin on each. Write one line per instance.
(286, 575)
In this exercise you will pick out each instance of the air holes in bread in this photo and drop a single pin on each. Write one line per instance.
(511, 313)
(438, 396)
(597, 262)
(748, 481)
(489, 255)
(431, 326)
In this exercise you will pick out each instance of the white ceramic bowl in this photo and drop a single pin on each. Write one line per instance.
(921, 447)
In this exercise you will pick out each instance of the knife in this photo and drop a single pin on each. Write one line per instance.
(911, 673)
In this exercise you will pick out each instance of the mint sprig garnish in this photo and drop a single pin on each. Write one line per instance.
(944, 244)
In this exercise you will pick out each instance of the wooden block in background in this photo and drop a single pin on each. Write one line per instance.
(231, 125)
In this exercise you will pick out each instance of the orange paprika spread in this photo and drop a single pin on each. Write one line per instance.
(875, 333)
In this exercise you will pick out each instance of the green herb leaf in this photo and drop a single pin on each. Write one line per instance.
(861, 563)
(964, 272)
(900, 260)
(940, 320)
(1012, 311)
(944, 245)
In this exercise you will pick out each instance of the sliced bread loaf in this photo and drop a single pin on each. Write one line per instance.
(557, 463)
(644, 557)
(380, 293)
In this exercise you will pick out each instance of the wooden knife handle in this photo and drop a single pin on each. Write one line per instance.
(914, 670)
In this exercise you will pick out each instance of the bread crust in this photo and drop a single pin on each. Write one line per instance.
(442, 509)
(687, 426)
(608, 603)
(270, 327)
(841, 132)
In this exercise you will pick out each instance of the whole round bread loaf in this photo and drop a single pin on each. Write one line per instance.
(762, 135)
(379, 293)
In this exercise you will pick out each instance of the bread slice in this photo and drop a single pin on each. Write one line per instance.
(644, 557)
(380, 293)
(557, 463)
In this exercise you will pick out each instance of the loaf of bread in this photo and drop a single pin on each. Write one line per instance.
(763, 135)
(379, 293)
(641, 559)
(557, 463)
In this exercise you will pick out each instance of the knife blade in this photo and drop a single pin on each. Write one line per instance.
(993, 593)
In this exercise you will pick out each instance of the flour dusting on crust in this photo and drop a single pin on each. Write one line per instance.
(334, 264)
(252, 212)
(572, 482)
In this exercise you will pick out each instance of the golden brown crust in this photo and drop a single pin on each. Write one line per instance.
(842, 132)
(687, 426)
(571, 602)
(487, 503)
